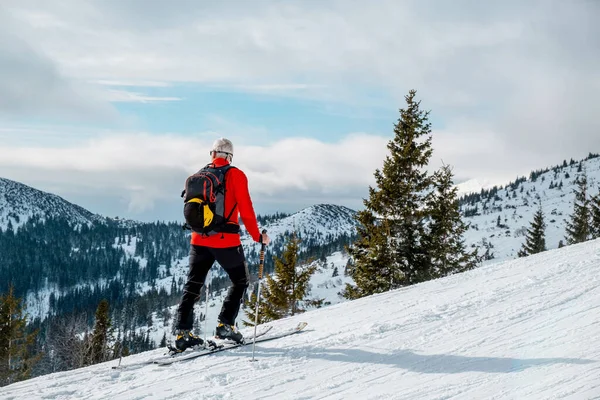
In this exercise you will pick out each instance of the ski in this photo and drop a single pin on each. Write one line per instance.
(177, 356)
(259, 339)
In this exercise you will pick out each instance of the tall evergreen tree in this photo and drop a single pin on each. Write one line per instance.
(595, 203)
(16, 361)
(389, 252)
(100, 350)
(535, 241)
(444, 240)
(578, 228)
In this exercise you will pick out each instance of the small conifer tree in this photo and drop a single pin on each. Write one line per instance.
(284, 293)
(578, 228)
(535, 240)
(16, 360)
(101, 336)
(250, 310)
(595, 203)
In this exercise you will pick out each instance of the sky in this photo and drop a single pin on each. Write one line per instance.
(111, 104)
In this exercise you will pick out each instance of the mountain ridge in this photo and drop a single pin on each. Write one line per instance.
(20, 202)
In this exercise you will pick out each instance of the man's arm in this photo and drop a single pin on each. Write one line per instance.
(244, 203)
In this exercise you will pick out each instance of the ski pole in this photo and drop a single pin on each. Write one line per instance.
(260, 275)
(206, 305)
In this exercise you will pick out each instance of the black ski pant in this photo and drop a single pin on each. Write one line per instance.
(202, 258)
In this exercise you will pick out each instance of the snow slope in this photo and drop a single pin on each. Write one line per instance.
(322, 286)
(516, 207)
(522, 329)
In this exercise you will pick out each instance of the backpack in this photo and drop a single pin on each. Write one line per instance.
(204, 198)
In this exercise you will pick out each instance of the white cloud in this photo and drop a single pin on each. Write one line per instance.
(461, 56)
(465, 58)
(148, 168)
(106, 82)
(145, 170)
(513, 83)
(125, 96)
(31, 84)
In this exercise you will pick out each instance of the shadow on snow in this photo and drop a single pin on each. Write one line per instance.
(424, 363)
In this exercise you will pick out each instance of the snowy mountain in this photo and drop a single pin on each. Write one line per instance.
(109, 255)
(317, 221)
(472, 186)
(19, 203)
(317, 225)
(521, 329)
(500, 216)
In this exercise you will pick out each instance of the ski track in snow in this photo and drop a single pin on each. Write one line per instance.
(521, 329)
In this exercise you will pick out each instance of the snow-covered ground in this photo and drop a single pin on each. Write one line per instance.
(322, 286)
(521, 329)
(517, 207)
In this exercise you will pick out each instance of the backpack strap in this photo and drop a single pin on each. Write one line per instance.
(227, 168)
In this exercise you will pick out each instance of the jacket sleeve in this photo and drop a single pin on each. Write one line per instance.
(244, 203)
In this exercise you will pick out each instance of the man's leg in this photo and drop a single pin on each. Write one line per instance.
(234, 263)
(201, 259)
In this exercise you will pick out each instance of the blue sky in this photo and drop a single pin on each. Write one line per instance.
(202, 108)
(111, 103)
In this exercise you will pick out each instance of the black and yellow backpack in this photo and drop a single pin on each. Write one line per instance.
(204, 198)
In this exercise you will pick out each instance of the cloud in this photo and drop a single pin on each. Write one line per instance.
(32, 85)
(512, 85)
(134, 83)
(141, 175)
(135, 97)
(147, 169)
(462, 56)
(144, 172)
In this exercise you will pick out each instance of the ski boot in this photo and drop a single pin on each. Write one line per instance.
(185, 339)
(229, 332)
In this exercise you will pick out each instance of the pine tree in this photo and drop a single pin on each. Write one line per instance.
(535, 241)
(389, 252)
(16, 360)
(284, 294)
(250, 310)
(444, 240)
(595, 210)
(578, 228)
(101, 336)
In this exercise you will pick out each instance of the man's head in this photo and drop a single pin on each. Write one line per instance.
(222, 148)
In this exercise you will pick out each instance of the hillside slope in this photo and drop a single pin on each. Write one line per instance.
(503, 216)
(526, 328)
(155, 252)
(19, 202)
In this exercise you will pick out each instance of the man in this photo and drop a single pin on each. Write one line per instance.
(223, 246)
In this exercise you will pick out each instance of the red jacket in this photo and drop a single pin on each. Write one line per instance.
(236, 191)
